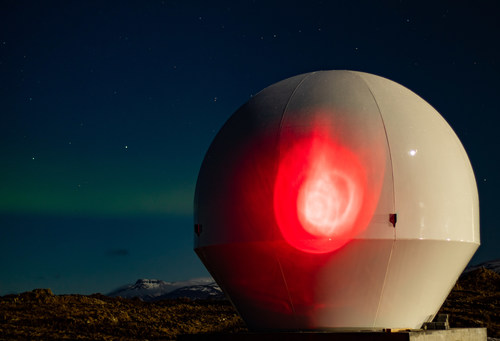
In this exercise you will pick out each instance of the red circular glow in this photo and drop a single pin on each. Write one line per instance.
(318, 195)
(328, 201)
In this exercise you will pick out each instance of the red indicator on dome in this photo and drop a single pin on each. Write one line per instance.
(319, 195)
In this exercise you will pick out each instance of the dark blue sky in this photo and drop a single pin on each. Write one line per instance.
(107, 109)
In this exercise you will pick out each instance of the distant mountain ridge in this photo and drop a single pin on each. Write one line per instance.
(153, 289)
(196, 292)
(493, 265)
(150, 290)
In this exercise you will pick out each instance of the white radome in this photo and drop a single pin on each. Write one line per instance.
(336, 199)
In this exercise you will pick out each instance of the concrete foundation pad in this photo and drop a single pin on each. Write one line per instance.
(455, 334)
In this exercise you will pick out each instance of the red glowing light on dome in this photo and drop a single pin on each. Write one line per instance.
(328, 200)
(319, 195)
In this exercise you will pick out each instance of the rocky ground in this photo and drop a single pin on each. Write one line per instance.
(41, 315)
(474, 302)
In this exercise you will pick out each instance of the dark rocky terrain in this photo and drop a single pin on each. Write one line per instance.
(39, 314)
(475, 301)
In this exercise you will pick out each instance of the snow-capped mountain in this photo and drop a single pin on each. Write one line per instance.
(206, 288)
(154, 289)
(493, 265)
(195, 292)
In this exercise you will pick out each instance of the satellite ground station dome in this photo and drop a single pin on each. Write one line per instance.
(336, 199)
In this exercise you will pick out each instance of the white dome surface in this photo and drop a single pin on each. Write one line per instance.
(336, 199)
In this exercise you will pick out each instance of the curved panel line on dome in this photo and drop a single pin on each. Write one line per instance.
(423, 190)
(283, 113)
(387, 267)
(312, 164)
(285, 282)
(285, 109)
(386, 140)
(318, 133)
(290, 98)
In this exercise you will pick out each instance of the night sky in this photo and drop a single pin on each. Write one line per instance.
(108, 107)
